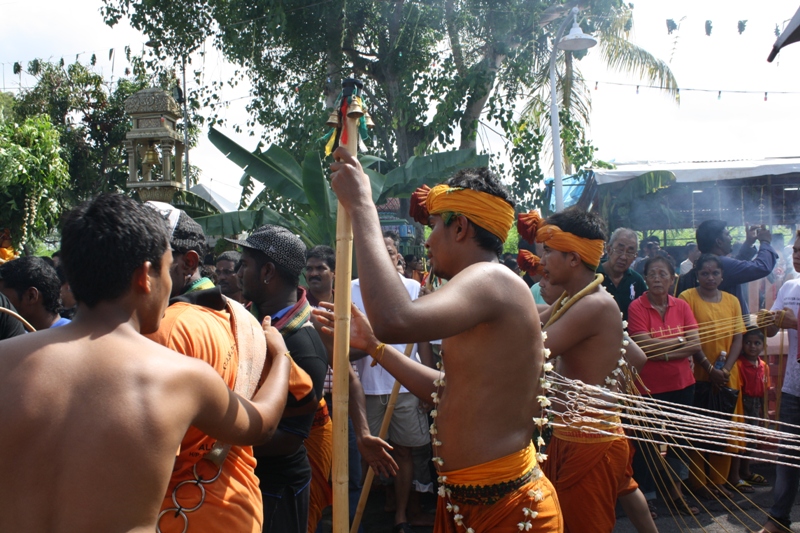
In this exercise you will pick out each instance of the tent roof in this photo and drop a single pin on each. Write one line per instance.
(790, 34)
(698, 171)
(214, 198)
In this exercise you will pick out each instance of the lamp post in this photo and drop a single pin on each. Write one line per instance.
(574, 41)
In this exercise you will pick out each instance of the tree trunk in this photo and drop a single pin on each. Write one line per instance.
(479, 92)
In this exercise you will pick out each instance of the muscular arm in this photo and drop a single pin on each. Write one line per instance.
(394, 316)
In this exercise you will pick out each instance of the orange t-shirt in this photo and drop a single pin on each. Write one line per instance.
(233, 502)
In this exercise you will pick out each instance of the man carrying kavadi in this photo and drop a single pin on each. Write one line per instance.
(588, 463)
(492, 349)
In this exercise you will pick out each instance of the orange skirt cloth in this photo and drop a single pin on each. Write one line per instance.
(495, 496)
(589, 471)
(319, 446)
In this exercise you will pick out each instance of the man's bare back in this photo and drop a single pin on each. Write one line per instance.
(92, 412)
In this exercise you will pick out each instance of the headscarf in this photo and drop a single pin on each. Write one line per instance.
(531, 226)
(485, 210)
(529, 262)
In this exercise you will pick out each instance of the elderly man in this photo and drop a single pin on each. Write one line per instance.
(33, 287)
(620, 280)
(692, 255)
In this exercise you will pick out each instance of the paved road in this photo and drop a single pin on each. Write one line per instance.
(742, 515)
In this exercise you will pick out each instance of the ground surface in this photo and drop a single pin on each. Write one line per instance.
(741, 516)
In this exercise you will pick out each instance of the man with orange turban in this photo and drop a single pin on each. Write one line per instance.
(587, 463)
(492, 349)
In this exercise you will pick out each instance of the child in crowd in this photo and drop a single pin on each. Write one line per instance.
(755, 382)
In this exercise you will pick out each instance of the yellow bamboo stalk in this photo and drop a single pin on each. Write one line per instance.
(25, 323)
(387, 420)
(341, 351)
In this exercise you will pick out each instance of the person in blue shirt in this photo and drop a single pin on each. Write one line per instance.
(713, 237)
(33, 288)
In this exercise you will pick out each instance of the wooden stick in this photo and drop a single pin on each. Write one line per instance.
(387, 420)
(25, 323)
(341, 341)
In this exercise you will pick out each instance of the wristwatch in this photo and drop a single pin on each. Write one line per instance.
(681, 340)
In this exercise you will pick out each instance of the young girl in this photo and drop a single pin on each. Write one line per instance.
(754, 376)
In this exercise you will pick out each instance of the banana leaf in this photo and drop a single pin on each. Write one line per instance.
(195, 206)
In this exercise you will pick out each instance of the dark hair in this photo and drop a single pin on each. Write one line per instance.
(707, 234)
(580, 223)
(706, 258)
(261, 259)
(103, 241)
(660, 258)
(410, 258)
(483, 180)
(57, 253)
(754, 332)
(230, 255)
(324, 253)
(62, 276)
(389, 234)
(26, 272)
(48, 260)
(653, 239)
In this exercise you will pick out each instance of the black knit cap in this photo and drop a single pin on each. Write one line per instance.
(185, 233)
(282, 246)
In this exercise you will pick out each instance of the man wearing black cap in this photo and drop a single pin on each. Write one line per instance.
(197, 323)
(272, 260)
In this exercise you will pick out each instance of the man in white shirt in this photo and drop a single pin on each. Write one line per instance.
(409, 426)
(692, 254)
(785, 310)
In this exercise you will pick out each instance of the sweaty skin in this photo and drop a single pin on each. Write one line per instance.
(93, 412)
(485, 314)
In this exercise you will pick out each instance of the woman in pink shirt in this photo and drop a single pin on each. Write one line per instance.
(665, 328)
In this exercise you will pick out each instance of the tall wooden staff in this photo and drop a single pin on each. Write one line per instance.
(350, 112)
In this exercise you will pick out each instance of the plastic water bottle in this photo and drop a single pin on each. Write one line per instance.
(720, 362)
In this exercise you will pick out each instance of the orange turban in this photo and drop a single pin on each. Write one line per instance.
(528, 262)
(531, 226)
(486, 210)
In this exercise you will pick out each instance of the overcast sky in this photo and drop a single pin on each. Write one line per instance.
(625, 126)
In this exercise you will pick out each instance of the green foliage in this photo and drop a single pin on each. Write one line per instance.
(33, 179)
(300, 195)
(6, 106)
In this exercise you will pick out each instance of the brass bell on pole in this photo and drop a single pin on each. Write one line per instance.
(333, 120)
(151, 157)
(368, 119)
(355, 109)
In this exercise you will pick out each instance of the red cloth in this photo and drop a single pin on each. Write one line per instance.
(663, 376)
(754, 378)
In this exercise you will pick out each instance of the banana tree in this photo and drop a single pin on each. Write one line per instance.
(302, 197)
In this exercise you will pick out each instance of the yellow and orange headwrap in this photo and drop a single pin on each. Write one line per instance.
(486, 210)
(529, 262)
(531, 226)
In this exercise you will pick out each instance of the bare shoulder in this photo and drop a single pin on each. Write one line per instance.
(491, 278)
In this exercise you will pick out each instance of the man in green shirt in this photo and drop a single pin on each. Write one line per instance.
(620, 280)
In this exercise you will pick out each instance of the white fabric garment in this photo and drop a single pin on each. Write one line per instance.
(789, 296)
(375, 379)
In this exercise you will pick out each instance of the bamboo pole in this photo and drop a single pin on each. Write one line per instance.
(25, 323)
(387, 420)
(341, 333)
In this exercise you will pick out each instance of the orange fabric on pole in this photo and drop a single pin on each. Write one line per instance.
(319, 446)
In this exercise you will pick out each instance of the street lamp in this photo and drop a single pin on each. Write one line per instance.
(572, 42)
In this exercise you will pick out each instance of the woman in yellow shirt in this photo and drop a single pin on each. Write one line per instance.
(720, 318)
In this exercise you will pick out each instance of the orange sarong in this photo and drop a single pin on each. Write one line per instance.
(319, 446)
(589, 471)
(493, 496)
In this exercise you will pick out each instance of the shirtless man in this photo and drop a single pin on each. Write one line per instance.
(93, 412)
(492, 348)
(588, 469)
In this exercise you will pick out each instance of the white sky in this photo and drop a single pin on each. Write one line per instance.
(624, 126)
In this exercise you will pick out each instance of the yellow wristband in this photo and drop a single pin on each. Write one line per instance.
(378, 355)
(289, 355)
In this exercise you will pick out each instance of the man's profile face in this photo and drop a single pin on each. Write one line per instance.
(250, 278)
(161, 283)
(319, 276)
(652, 249)
(434, 246)
(177, 273)
(227, 280)
(725, 242)
(695, 254)
(622, 253)
(392, 249)
(795, 255)
(554, 265)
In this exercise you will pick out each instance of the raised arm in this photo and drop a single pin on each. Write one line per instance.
(394, 316)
